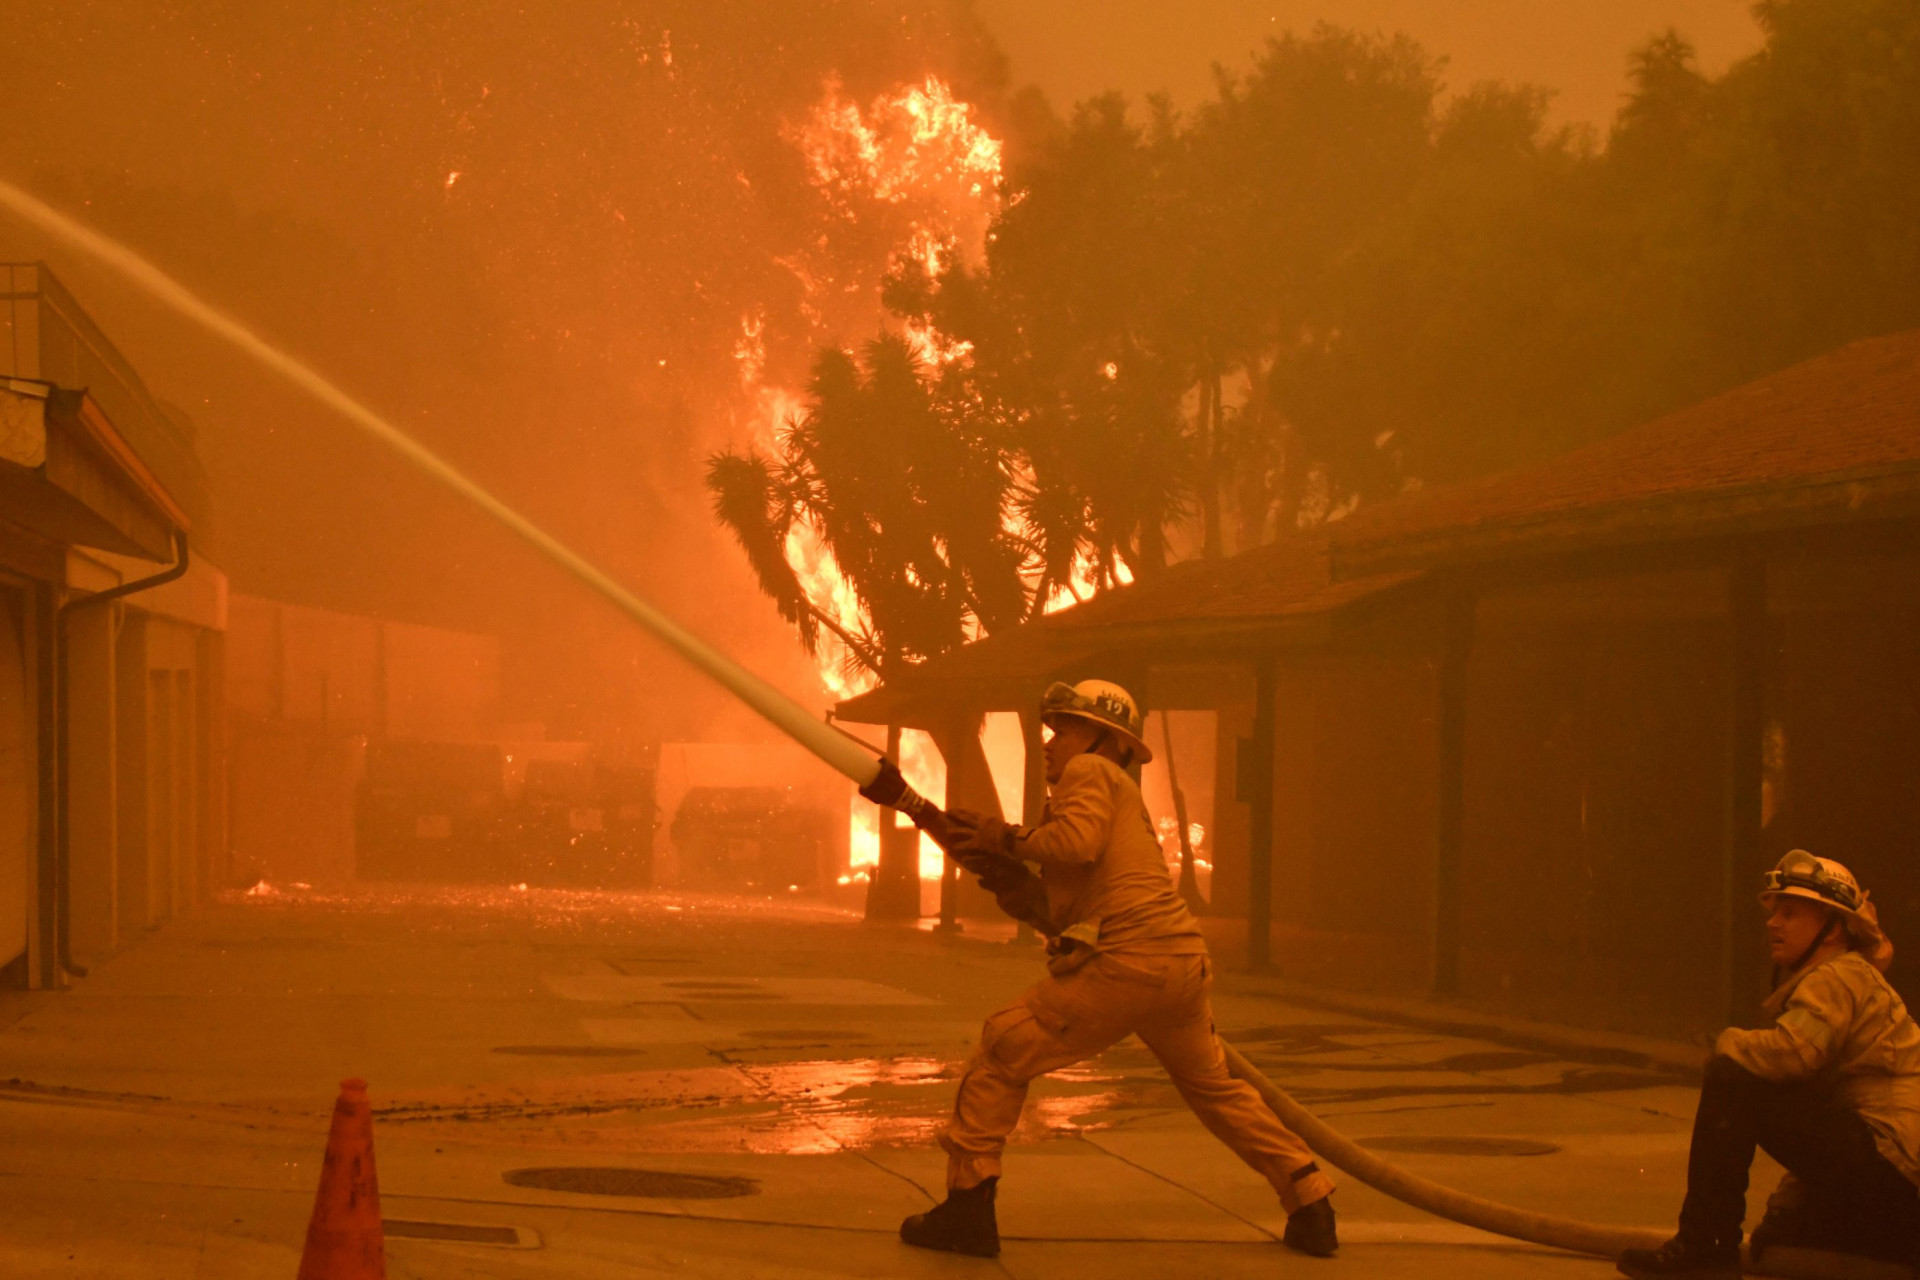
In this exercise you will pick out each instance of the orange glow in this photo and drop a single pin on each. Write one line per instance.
(913, 175)
(750, 350)
(934, 349)
(926, 772)
(907, 145)
(1084, 585)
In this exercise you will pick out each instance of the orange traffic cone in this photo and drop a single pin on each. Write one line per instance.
(343, 1239)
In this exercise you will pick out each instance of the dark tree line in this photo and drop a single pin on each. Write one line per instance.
(1332, 282)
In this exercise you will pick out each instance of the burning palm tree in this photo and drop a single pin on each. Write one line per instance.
(898, 477)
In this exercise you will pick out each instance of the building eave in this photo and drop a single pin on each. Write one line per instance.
(1848, 497)
(82, 485)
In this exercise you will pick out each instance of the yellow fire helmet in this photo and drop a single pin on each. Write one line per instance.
(1802, 875)
(1103, 703)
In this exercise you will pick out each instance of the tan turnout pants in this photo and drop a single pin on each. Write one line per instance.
(1068, 1019)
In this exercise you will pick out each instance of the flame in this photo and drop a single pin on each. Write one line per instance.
(926, 772)
(905, 146)
(934, 350)
(910, 177)
(750, 350)
(819, 573)
(863, 843)
(1084, 584)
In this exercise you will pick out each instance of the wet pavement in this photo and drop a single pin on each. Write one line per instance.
(572, 1084)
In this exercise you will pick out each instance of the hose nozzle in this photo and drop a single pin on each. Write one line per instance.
(889, 788)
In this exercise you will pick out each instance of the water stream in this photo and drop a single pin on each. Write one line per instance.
(836, 749)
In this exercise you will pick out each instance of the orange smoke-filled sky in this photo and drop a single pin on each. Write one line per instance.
(537, 235)
(1073, 49)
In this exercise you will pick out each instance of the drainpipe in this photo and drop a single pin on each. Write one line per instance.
(1260, 818)
(63, 850)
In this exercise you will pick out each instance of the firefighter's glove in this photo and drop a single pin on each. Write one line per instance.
(1000, 876)
(980, 835)
(1025, 900)
(984, 845)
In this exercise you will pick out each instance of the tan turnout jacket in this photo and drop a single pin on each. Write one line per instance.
(1839, 1021)
(1106, 878)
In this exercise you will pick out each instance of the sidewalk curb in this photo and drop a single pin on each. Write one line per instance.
(1603, 1048)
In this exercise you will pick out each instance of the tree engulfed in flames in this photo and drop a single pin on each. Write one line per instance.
(910, 175)
(911, 146)
(911, 180)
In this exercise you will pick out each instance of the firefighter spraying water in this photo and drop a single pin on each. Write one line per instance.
(1124, 957)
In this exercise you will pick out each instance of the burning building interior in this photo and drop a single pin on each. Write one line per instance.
(598, 582)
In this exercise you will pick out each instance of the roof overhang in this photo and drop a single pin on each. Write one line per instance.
(1863, 495)
(1007, 672)
(67, 476)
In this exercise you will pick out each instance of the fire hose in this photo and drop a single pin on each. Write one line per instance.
(878, 778)
(1410, 1188)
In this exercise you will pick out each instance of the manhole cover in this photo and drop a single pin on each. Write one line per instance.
(1413, 1144)
(567, 1050)
(651, 1184)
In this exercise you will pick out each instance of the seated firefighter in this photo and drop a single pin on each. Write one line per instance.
(1831, 1090)
(1125, 956)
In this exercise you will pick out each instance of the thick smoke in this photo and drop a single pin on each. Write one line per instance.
(529, 233)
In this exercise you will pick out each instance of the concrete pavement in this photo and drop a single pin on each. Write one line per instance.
(756, 1083)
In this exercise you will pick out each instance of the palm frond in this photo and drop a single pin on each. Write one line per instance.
(749, 498)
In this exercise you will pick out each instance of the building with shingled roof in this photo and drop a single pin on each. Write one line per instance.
(1528, 741)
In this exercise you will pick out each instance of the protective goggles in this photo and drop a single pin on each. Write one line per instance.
(1065, 699)
(1807, 873)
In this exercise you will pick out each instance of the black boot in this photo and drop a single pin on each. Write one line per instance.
(1685, 1256)
(1310, 1229)
(1789, 1227)
(962, 1223)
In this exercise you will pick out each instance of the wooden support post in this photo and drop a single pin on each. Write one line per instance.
(949, 898)
(969, 786)
(1189, 883)
(1033, 790)
(895, 891)
(1746, 763)
(952, 742)
(1456, 647)
(1259, 775)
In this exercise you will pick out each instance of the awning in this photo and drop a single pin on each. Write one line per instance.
(1831, 440)
(67, 476)
(1195, 612)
